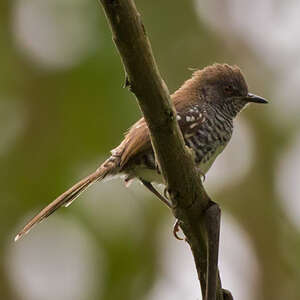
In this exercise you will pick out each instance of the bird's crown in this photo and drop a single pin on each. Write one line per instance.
(221, 75)
(214, 83)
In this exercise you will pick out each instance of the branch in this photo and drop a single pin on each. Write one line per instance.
(184, 184)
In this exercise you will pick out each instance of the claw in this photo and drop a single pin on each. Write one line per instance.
(203, 177)
(202, 174)
(176, 230)
(166, 193)
(167, 196)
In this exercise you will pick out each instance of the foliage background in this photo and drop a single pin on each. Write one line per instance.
(62, 109)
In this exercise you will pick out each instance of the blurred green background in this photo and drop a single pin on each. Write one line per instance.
(63, 108)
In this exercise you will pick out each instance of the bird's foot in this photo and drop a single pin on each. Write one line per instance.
(176, 229)
(166, 193)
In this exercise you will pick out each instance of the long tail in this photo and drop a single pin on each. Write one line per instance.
(65, 199)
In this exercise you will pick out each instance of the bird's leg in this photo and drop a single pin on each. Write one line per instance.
(212, 222)
(164, 199)
(151, 188)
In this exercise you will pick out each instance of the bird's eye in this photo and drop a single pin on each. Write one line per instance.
(228, 89)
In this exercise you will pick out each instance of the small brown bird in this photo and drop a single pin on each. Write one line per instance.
(206, 105)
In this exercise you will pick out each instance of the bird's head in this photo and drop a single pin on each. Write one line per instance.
(220, 85)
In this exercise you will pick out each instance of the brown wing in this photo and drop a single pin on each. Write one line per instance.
(191, 120)
(137, 139)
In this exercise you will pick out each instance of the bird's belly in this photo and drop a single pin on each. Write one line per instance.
(207, 161)
(146, 168)
(151, 175)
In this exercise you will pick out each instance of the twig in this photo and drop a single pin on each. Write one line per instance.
(184, 184)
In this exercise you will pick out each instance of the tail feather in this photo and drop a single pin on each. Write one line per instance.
(69, 196)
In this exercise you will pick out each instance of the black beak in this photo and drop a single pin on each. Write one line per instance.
(255, 99)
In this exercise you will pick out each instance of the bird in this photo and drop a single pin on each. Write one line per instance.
(206, 105)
